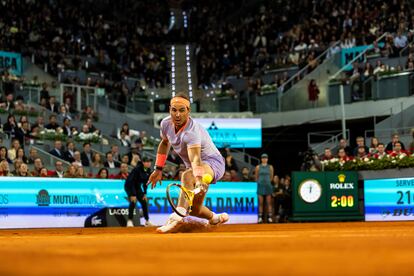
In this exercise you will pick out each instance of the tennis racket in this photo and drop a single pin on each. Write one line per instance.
(181, 198)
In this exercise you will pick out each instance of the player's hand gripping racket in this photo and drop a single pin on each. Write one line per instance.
(181, 198)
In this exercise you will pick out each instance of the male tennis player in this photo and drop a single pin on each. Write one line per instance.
(195, 147)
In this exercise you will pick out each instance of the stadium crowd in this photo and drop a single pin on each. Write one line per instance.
(281, 34)
(113, 39)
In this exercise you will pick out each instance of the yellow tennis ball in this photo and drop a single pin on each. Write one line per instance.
(207, 178)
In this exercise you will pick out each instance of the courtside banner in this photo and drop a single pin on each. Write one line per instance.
(234, 133)
(389, 199)
(12, 62)
(33, 202)
(238, 199)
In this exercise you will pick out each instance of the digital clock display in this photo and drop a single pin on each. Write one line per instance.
(342, 201)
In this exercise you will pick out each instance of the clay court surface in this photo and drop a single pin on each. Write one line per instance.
(276, 249)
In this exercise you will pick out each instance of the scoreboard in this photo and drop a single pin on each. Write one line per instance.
(390, 199)
(325, 196)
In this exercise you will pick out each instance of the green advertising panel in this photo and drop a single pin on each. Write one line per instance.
(325, 196)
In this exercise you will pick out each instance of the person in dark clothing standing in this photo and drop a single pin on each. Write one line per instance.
(136, 189)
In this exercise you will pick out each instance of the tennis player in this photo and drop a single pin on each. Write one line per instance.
(195, 147)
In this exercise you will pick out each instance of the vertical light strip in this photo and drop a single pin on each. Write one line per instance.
(188, 62)
(172, 70)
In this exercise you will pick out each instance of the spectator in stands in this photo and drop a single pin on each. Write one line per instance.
(123, 171)
(226, 177)
(125, 159)
(124, 139)
(89, 113)
(360, 141)
(129, 133)
(10, 126)
(32, 156)
(23, 171)
(44, 93)
(115, 153)
(394, 139)
(246, 176)
(52, 122)
(86, 155)
(77, 162)
(22, 133)
(380, 152)
(110, 162)
(70, 152)
(66, 127)
(91, 127)
(400, 41)
(96, 161)
(39, 124)
(70, 172)
(278, 196)
(8, 103)
(21, 155)
(327, 155)
(59, 172)
(57, 150)
(231, 163)
(16, 165)
(22, 120)
(103, 173)
(397, 150)
(313, 93)
(368, 71)
(264, 176)
(361, 153)
(343, 144)
(38, 165)
(374, 145)
(80, 173)
(4, 154)
(4, 168)
(53, 105)
(342, 156)
(64, 114)
(13, 151)
(234, 176)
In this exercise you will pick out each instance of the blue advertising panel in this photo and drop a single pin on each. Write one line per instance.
(348, 54)
(12, 62)
(389, 199)
(52, 202)
(234, 133)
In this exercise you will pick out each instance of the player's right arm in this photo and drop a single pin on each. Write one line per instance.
(162, 152)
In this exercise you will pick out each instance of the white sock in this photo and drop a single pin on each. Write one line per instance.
(215, 218)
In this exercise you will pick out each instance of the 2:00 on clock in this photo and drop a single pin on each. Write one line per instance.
(342, 201)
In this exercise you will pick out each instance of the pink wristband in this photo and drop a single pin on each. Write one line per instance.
(161, 159)
(198, 171)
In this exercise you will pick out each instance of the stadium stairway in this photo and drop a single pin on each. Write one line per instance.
(295, 97)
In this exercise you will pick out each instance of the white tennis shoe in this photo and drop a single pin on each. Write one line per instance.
(130, 223)
(219, 219)
(172, 225)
